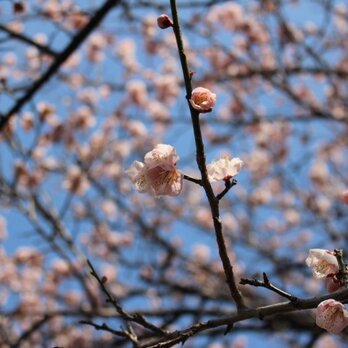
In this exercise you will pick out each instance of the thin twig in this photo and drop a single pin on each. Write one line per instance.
(268, 285)
(104, 327)
(59, 61)
(228, 185)
(135, 318)
(196, 181)
(29, 41)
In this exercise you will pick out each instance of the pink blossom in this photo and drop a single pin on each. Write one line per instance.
(332, 316)
(164, 22)
(323, 262)
(202, 99)
(224, 168)
(158, 175)
(161, 172)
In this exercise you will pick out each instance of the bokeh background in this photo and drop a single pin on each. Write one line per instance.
(279, 69)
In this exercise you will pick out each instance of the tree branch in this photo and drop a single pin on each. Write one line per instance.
(59, 61)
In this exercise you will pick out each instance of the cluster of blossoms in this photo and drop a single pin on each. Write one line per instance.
(331, 315)
(159, 176)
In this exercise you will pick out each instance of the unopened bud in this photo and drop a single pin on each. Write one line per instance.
(18, 7)
(164, 22)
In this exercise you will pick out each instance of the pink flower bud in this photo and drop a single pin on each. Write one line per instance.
(345, 197)
(164, 22)
(202, 99)
(332, 316)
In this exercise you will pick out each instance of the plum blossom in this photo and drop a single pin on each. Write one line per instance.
(323, 263)
(202, 99)
(224, 168)
(332, 316)
(158, 175)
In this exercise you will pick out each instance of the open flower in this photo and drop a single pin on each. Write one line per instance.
(202, 99)
(332, 316)
(323, 263)
(158, 175)
(224, 168)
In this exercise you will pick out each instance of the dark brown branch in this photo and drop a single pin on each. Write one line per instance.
(228, 185)
(201, 162)
(29, 41)
(196, 181)
(257, 313)
(104, 327)
(59, 61)
(31, 330)
(268, 285)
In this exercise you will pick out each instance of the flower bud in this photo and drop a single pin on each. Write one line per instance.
(202, 99)
(164, 22)
(332, 316)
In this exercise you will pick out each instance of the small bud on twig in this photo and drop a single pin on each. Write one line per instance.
(164, 22)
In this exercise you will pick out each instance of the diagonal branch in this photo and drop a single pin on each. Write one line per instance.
(181, 336)
(29, 41)
(59, 61)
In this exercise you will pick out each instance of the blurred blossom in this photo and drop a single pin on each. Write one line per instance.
(137, 92)
(75, 181)
(28, 255)
(158, 111)
(46, 111)
(95, 45)
(3, 228)
(77, 20)
(229, 15)
(201, 253)
(109, 208)
(326, 341)
(332, 316)
(83, 118)
(27, 121)
(136, 128)
(167, 88)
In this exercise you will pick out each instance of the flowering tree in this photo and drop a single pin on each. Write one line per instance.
(125, 126)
